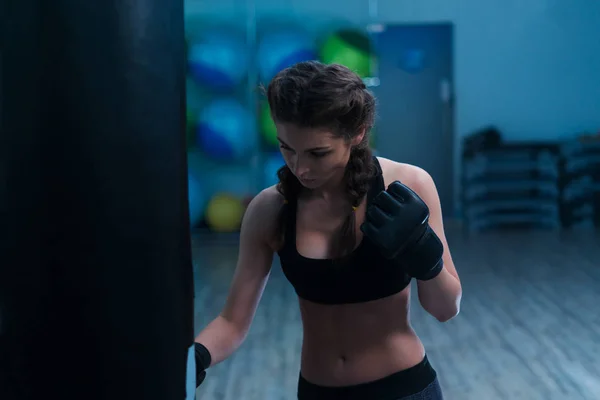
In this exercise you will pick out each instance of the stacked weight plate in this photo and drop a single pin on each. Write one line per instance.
(512, 186)
(580, 183)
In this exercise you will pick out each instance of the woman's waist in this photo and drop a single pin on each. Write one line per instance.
(363, 321)
(345, 362)
(401, 383)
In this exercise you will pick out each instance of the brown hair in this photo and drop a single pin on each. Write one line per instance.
(315, 95)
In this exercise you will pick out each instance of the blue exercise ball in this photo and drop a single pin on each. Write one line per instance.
(279, 50)
(196, 200)
(227, 130)
(272, 163)
(218, 59)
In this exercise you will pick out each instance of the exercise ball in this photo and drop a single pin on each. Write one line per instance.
(196, 200)
(267, 127)
(224, 213)
(282, 49)
(226, 130)
(272, 163)
(349, 48)
(218, 59)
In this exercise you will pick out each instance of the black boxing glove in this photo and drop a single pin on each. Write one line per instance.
(397, 222)
(203, 360)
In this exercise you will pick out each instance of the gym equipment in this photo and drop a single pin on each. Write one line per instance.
(272, 163)
(281, 49)
(580, 183)
(218, 59)
(350, 48)
(224, 213)
(511, 185)
(196, 200)
(268, 129)
(484, 139)
(396, 222)
(227, 130)
(96, 285)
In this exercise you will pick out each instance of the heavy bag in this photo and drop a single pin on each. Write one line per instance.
(96, 295)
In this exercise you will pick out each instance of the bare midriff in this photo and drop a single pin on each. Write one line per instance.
(349, 344)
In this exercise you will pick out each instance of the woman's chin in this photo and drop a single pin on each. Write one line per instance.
(309, 183)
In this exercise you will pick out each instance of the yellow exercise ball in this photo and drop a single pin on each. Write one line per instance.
(224, 213)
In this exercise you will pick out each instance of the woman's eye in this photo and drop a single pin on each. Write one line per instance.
(319, 155)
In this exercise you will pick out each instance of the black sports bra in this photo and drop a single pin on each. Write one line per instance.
(365, 274)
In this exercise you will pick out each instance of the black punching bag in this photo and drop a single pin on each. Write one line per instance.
(96, 295)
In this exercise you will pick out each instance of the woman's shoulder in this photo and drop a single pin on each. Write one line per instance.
(266, 203)
(412, 176)
(262, 212)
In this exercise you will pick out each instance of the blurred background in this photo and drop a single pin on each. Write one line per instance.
(498, 100)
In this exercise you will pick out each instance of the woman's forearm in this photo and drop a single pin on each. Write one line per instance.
(221, 337)
(441, 295)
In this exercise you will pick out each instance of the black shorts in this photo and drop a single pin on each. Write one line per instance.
(415, 383)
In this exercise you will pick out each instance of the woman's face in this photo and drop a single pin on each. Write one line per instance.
(315, 156)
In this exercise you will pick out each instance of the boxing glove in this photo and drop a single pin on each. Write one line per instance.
(203, 360)
(397, 222)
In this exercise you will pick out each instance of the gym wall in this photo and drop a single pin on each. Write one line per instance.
(532, 69)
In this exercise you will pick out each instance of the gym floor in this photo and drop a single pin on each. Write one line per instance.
(529, 326)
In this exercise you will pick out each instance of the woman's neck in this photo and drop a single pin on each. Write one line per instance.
(332, 191)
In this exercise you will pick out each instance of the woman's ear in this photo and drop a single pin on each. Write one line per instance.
(356, 140)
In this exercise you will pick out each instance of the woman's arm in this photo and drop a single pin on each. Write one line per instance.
(441, 295)
(227, 331)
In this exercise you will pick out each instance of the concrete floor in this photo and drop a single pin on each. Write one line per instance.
(529, 327)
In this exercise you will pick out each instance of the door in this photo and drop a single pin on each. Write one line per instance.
(415, 114)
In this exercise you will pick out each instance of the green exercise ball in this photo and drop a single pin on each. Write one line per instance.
(267, 126)
(349, 48)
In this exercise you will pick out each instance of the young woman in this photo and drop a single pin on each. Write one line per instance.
(351, 231)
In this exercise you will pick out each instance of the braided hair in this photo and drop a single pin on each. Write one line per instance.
(316, 95)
